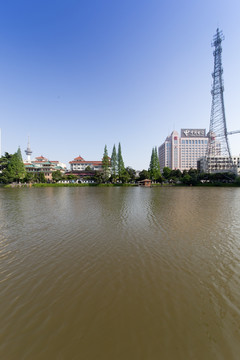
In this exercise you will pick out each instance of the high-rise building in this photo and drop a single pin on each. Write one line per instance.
(182, 152)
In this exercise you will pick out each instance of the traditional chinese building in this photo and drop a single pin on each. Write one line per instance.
(45, 166)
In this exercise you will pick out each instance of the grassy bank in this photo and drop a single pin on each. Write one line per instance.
(213, 184)
(80, 185)
(43, 185)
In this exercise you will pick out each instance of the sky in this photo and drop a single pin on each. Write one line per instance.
(76, 75)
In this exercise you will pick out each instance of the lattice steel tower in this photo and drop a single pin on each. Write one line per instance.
(218, 137)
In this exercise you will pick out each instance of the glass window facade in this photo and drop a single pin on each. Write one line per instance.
(183, 153)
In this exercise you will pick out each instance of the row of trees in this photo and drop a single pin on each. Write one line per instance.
(114, 169)
(191, 177)
(194, 177)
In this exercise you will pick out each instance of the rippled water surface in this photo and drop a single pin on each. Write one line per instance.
(120, 273)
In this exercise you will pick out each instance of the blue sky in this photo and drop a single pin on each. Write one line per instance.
(76, 75)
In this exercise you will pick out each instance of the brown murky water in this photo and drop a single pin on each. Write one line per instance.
(120, 273)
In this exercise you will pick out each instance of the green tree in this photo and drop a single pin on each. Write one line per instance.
(131, 172)
(150, 169)
(120, 163)
(19, 154)
(144, 174)
(42, 178)
(187, 179)
(166, 172)
(98, 177)
(57, 175)
(13, 169)
(105, 165)
(125, 177)
(114, 162)
(88, 168)
(176, 174)
(194, 176)
(29, 177)
(4, 161)
(157, 172)
(237, 180)
(71, 177)
(154, 167)
(39, 177)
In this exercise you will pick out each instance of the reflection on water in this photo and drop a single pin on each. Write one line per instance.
(120, 273)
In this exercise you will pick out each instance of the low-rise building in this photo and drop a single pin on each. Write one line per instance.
(79, 164)
(45, 166)
(218, 164)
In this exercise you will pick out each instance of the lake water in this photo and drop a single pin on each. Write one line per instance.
(120, 273)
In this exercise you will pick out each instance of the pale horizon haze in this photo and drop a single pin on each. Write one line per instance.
(76, 75)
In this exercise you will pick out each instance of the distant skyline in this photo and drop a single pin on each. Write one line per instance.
(76, 75)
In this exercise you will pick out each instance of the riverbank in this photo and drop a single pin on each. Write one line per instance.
(44, 185)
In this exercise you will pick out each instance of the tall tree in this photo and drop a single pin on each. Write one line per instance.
(19, 154)
(14, 171)
(157, 164)
(106, 164)
(154, 167)
(114, 163)
(17, 166)
(120, 163)
(151, 165)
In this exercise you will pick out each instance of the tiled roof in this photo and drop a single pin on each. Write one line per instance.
(85, 162)
(42, 162)
(79, 158)
(41, 157)
(28, 165)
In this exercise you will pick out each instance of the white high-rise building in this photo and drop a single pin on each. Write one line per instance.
(182, 152)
